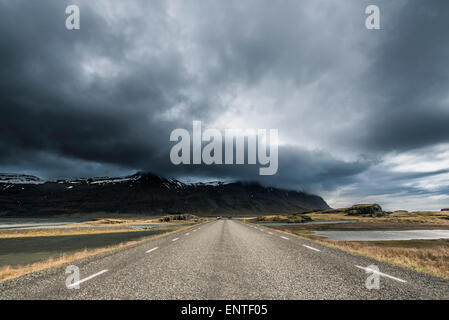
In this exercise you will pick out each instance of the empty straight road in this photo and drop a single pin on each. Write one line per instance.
(227, 259)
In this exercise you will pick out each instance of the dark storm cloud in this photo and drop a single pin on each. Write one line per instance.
(410, 75)
(297, 169)
(104, 99)
(47, 104)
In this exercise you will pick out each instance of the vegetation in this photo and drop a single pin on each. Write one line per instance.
(28, 250)
(372, 209)
(429, 256)
(55, 232)
(178, 217)
(56, 260)
(292, 218)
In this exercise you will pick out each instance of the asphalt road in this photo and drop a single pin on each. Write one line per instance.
(228, 259)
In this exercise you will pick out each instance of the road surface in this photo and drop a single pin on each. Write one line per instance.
(227, 259)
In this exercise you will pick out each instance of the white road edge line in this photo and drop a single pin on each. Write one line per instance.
(175, 239)
(151, 250)
(311, 248)
(88, 278)
(381, 274)
(284, 238)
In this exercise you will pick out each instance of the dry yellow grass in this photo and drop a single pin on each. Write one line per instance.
(432, 260)
(58, 232)
(428, 256)
(8, 272)
(109, 221)
(104, 225)
(419, 217)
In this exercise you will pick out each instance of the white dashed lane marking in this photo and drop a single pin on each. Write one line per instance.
(151, 250)
(360, 267)
(312, 248)
(85, 279)
(175, 239)
(380, 273)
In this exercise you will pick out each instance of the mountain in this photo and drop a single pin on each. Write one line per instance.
(147, 194)
(10, 179)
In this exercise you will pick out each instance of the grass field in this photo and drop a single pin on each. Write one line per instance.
(429, 256)
(27, 250)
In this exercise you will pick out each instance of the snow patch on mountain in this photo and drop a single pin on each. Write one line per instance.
(11, 178)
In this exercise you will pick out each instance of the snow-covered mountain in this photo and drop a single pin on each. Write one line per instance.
(19, 179)
(147, 194)
(12, 178)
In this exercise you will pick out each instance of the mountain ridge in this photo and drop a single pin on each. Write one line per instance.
(146, 193)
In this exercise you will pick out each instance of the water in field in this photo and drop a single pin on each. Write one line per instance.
(384, 235)
(309, 222)
(146, 226)
(27, 250)
(38, 223)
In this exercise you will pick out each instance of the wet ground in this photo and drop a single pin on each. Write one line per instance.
(38, 223)
(303, 223)
(27, 250)
(383, 235)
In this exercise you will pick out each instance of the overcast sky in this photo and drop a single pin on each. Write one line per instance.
(363, 115)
